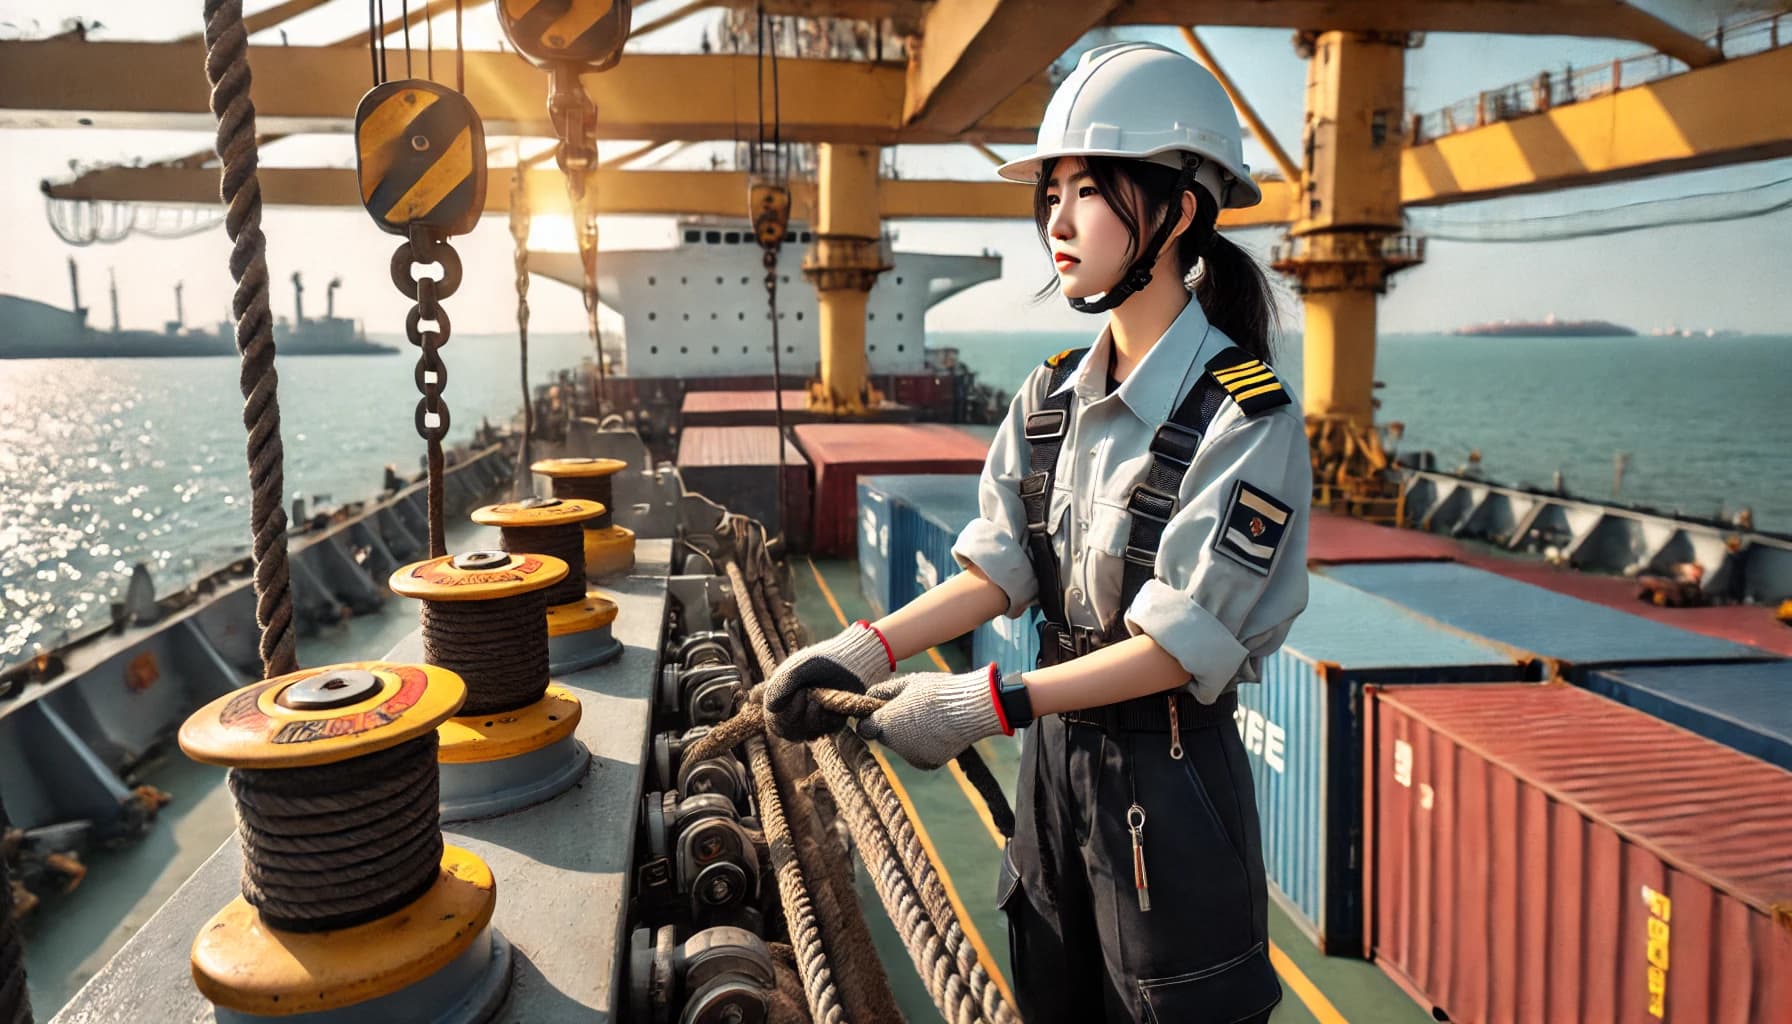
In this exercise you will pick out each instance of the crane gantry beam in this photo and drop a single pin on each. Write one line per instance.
(1684, 122)
(658, 192)
(1608, 19)
(648, 96)
(969, 55)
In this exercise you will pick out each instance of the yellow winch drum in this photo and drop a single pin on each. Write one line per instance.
(579, 620)
(352, 906)
(609, 549)
(484, 616)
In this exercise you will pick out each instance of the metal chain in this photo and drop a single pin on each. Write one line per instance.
(227, 69)
(424, 249)
(519, 231)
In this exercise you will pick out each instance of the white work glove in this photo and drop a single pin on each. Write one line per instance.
(932, 717)
(854, 660)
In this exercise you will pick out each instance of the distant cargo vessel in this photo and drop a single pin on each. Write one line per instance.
(1548, 327)
(36, 330)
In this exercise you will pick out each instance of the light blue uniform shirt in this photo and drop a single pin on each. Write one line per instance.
(1218, 602)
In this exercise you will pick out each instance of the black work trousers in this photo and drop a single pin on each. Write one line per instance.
(1082, 948)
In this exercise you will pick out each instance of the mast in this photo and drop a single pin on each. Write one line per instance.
(112, 276)
(298, 300)
(74, 287)
(180, 309)
(330, 298)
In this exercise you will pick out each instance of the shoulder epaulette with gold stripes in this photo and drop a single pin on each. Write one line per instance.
(1066, 354)
(1250, 381)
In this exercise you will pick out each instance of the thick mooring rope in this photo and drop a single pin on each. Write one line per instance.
(904, 877)
(499, 647)
(340, 844)
(227, 69)
(822, 995)
(15, 998)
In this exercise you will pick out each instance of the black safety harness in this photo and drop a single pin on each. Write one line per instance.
(1152, 502)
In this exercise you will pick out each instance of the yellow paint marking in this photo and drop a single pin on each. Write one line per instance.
(577, 20)
(1320, 1007)
(828, 593)
(1254, 392)
(1244, 382)
(381, 129)
(518, 8)
(964, 917)
(976, 801)
(444, 176)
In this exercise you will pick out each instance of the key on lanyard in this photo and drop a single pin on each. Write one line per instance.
(1135, 823)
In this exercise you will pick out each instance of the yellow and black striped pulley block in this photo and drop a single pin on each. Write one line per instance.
(547, 32)
(420, 157)
(768, 203)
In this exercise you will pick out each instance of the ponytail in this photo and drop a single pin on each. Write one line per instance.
(1234, 293)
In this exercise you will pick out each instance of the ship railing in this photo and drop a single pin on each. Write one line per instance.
(1560, 88)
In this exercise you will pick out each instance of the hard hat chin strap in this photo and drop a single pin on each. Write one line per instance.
(1138, 275)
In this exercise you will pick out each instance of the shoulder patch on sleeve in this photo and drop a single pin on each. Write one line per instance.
(1252, 529)
(1249, 381)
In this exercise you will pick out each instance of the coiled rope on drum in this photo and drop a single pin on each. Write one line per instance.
(340, 844)
(227, 69)
(905, 878)
(497, 646)
(600, 489)
(565, 541)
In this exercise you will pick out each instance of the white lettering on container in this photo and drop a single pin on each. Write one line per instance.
(1403, 763)
(1262, 737)
(925, 574)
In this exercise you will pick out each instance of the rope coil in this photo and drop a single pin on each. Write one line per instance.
(565, 541)
(322, 851)
(498, 646)
(600, 489)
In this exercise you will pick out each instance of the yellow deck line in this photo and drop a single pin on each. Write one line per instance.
(939, 866)
(1304, 989)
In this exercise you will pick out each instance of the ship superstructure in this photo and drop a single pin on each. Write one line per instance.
(698, 309)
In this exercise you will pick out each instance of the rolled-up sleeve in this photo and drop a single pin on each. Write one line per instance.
(996, 541)
(1231, 570)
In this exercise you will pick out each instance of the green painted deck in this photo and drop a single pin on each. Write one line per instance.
(952, 823)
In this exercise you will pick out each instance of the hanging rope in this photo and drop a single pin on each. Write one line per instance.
(227, 69)
(519, 232)
(15, 998)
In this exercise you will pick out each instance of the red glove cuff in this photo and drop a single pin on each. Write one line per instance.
(889, 652)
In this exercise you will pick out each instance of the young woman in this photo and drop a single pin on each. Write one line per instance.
(1151, 494)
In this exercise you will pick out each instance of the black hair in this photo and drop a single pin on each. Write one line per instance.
(1232, 289)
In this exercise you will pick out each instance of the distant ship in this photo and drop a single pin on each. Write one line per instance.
(37, 330)
(1548, 327)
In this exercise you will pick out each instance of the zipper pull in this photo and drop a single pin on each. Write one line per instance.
(1175, 731)
(1135, 823)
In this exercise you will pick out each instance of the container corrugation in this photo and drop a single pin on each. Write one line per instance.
(1741, 623)
(874, 546)
(1746, 707)
(1013, 644)
(1551, 625)
(1338, 540)
(1302, 731)
(733, 466)
(843, 452)
(1542, 854)
(927, 513)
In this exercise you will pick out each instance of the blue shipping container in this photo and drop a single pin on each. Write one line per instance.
(1302, 729)
(1013, 644)
(1505, 611)
(1745, 706)
(874, 546)
(907, 526)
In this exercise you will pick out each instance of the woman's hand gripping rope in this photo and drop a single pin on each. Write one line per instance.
(851, 662)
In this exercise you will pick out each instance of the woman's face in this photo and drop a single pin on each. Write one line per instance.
(1088, 241)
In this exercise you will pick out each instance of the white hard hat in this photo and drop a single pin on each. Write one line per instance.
(1147, 102)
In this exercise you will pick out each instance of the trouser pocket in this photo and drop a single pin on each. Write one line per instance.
(1241, 989)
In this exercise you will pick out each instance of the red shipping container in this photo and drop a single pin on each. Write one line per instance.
(732, 466)
(842, 452)
(1543, 854)
(1334, 540)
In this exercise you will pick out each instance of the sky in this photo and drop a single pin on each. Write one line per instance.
(1725, 275)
